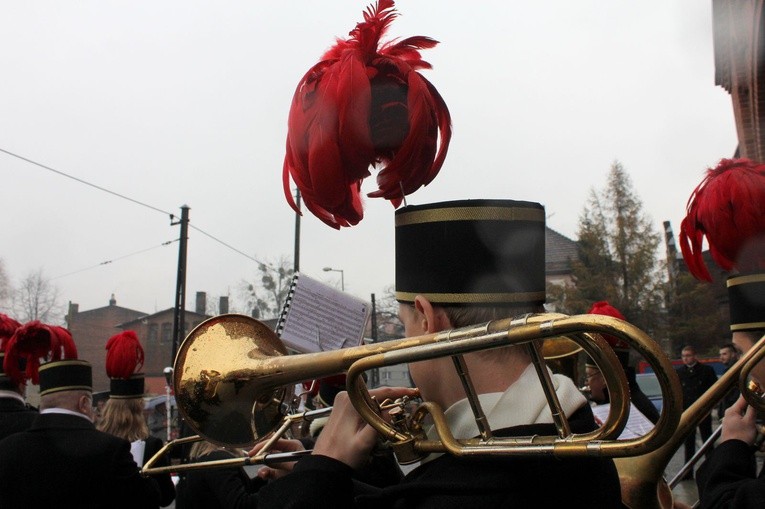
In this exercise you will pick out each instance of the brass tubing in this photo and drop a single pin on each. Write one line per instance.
(594, 443)
(263, 457)
(234, 381)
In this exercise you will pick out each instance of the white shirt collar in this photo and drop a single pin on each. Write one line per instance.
(524, 402)
(12, 394)
(65, 411)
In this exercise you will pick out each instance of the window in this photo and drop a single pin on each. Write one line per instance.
(153, 333)
(167, 332)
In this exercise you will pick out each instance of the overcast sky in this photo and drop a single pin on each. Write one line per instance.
(185, 102)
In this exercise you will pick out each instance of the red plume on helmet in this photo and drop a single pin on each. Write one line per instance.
(124, 355)
(728, 207)
(7, 327)
(36, 342)
(604, 308)
(365, 104)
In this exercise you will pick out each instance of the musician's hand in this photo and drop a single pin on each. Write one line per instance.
(282, 469)
(739, 422)
(347, 437)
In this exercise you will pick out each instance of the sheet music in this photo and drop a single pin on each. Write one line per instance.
(637, 423)
(318, 317)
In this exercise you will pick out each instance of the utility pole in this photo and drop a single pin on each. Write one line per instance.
(179, 315)
(375, 371)
(296, 258)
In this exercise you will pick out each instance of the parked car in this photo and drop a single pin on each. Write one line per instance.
(651, 388)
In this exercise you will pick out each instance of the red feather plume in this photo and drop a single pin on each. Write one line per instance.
(365, 104)
(728, 207)
(124, 355)
(7, 327)
(37, 342)
(604, 308)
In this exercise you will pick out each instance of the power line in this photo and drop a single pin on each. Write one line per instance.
(172, 216)
(231, 247)
(85, 182)
(107, 262)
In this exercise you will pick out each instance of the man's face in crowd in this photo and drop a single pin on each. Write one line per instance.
(689, 357)
(727, 356)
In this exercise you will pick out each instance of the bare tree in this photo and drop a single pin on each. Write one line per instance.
(264, 297)
(5, 287)
(36, 298)
(389, 325)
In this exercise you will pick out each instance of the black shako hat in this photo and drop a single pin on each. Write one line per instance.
(471, 252)
(66, 375)
(746, 294)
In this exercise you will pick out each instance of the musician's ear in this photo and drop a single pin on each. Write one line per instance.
(85, 405)
(434, 317)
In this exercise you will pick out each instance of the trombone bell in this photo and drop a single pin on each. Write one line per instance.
(228, 406)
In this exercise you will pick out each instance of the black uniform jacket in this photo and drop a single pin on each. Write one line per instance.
(15, 416)
(728, 478)
(213, 488)
(63, 461)
(450, 482)
(165, 481)
(695, 381)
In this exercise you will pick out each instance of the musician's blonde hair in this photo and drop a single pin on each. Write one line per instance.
(124, 418)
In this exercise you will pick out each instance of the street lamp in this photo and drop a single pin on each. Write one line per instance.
(168, 371)
(342, 276)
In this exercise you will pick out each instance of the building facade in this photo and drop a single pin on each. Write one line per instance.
(91, 330)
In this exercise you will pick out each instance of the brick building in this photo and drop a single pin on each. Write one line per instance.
(156, 334)
(739, 46)
(91, 330)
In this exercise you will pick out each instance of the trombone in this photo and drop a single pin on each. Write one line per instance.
(233, 381)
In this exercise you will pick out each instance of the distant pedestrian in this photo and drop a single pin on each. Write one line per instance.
(728, 356)
(696, 378)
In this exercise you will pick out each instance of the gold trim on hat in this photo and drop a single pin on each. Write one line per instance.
(67, 388)
(474, 298)
(743, 280)
(66, 362)
(470, 214)
(747, 326)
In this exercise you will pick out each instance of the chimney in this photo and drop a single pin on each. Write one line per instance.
(223, 307)
(201, 303)
(112, 301)
(74, 308)
(672, 254)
